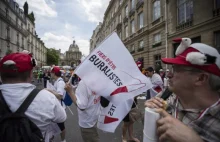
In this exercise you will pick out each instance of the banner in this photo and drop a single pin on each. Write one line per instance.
(111, 71)
(112, 115)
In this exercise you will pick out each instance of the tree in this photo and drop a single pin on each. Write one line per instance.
(52, 57)
(31, 17)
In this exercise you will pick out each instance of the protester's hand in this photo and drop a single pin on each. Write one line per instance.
(155, 102)
(170, 129)
(69, 88)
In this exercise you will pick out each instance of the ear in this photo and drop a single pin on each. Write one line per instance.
(201, 79)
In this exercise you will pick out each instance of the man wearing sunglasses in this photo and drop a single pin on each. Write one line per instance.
(193, 112)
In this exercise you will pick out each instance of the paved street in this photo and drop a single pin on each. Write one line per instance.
(73, 131)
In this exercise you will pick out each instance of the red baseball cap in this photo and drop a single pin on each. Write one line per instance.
(55, 70)
(17, 62)
(197, 55)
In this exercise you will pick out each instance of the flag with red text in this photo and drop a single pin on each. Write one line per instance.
(111, 71)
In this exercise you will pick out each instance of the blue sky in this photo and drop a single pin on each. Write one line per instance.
(58, 21)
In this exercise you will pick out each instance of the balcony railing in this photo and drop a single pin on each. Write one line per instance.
(140, 49)
(125, 19)
(184, 25)
(12, 22)
(132, 11)
(119, 26)
(216, 12)
(139, 4)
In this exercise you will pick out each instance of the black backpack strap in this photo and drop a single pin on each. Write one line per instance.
(3, 102)
(28, 101)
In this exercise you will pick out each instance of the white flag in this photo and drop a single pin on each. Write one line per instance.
(111, 71)
(112, 115)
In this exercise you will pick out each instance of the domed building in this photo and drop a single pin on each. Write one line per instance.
(72, 56)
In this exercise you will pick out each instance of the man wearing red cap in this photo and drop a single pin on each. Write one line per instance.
(194, 105)
(59, 85)
(16, 74)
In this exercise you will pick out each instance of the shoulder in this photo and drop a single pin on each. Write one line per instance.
(45, 96)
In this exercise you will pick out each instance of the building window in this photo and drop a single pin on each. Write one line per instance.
(22, 40)
(156, 10)
(126, 11)
(157, 38)
(119, 34)
(126, 31)
(132, 4)
(120, 18)
(132, 47)
(141, 44)
(28, 27)
(157, 60)
(115, 9)
(217, 40)
(115, 24)
(112, 14)
(217, 4)
(6, 12)
(120, 2)
(185, 11)
(16, 20)
(141, 20)
(132, 27)
(8, 32)
(17, 37)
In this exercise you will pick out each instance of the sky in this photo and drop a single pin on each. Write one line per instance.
(59, 22)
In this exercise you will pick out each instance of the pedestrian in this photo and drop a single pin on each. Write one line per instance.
(128, 126)
(16, 74)
(46, 77)
(194, 106)
(59, 85)
(88, 106)
(156, 80)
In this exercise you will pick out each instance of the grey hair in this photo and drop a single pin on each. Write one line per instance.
(214, 82)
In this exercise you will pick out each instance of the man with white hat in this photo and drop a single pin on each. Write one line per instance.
(195, 103)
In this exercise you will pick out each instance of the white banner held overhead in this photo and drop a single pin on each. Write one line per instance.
(111, 71)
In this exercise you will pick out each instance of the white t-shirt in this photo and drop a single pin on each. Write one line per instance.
(88, 106)
(44, 110)
(59, 85)
(157, 81)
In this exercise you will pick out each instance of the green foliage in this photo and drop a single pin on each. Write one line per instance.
(31, 17)
(8, 52)
(52, 57)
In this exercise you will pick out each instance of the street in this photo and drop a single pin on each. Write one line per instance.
(73, 131)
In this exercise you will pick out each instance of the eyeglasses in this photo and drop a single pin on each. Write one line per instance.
(182, 69)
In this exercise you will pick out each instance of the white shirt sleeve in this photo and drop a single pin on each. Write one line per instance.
(60, 88)
(59, 112)
(156, 80)
(82, 95)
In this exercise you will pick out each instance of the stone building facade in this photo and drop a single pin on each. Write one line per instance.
(147, 27)
(71, 57)
(17, 32)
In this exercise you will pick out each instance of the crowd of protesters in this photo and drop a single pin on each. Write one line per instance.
(193, 106)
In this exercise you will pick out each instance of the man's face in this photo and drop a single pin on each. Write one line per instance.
(180, 78)
(149, 74)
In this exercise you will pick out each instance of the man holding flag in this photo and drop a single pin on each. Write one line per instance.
(88, 106)
(111, 78)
